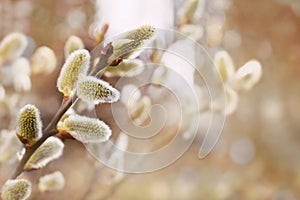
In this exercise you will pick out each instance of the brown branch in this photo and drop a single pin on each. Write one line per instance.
(51, 130)
(105, 53)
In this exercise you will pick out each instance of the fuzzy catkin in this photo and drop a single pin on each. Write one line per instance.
(131, 42)
(19, 189)
(76, 64)
(50, 150)
(142, 33)
(92, 89)
(29, 128)
(86, 129)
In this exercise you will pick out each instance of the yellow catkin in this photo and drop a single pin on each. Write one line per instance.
(29, 128)
(76, 64)
(19, 189)
(86, 129)
(92, 89)
(131, 42)
(50, 150)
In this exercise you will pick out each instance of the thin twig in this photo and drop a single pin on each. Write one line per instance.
(51, 130)
(103, 62)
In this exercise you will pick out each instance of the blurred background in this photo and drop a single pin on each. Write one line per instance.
(257, 156)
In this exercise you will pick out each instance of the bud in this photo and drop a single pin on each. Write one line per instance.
(50, 150)
(43, 60)
(100, 33)
(51, 182)
(73, 43)
(77, 63)
(29, 125)
(19, 189)
(91, 89)
(247, 76)
(85, 129)
(133, 40)
(224, 64)
(12, 47)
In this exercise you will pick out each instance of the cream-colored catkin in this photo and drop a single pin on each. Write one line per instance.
(43, 61)
(51, 182)
(76, 64)
(142, 33)
(72, 44)
(29, 125)
(133, 40)
(12, 46)
(224, 64)
(86, 129)
(16, 189)
(50, 150)
(93, 90)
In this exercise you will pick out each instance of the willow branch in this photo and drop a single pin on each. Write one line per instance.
(51, 130)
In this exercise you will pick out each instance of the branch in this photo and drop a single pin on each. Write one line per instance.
(105, 53)
(51, 130)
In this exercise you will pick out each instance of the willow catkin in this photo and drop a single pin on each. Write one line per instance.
(29, 125)
(72, 44)
(133, 40)
(50, 150)
(92, 89)
(224, 64)
(43, 61)
(51, 182)
(12, 46)
(19, 189)
(76, 64)
(86, 129)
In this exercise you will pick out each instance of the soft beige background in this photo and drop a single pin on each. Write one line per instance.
(267, 117)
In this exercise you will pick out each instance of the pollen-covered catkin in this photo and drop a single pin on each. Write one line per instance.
(86, 129)
(76, 64)
(29, 123)
(92, 89)
(19, 189)
(142, 33)
(50, 150)
(133, 40)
